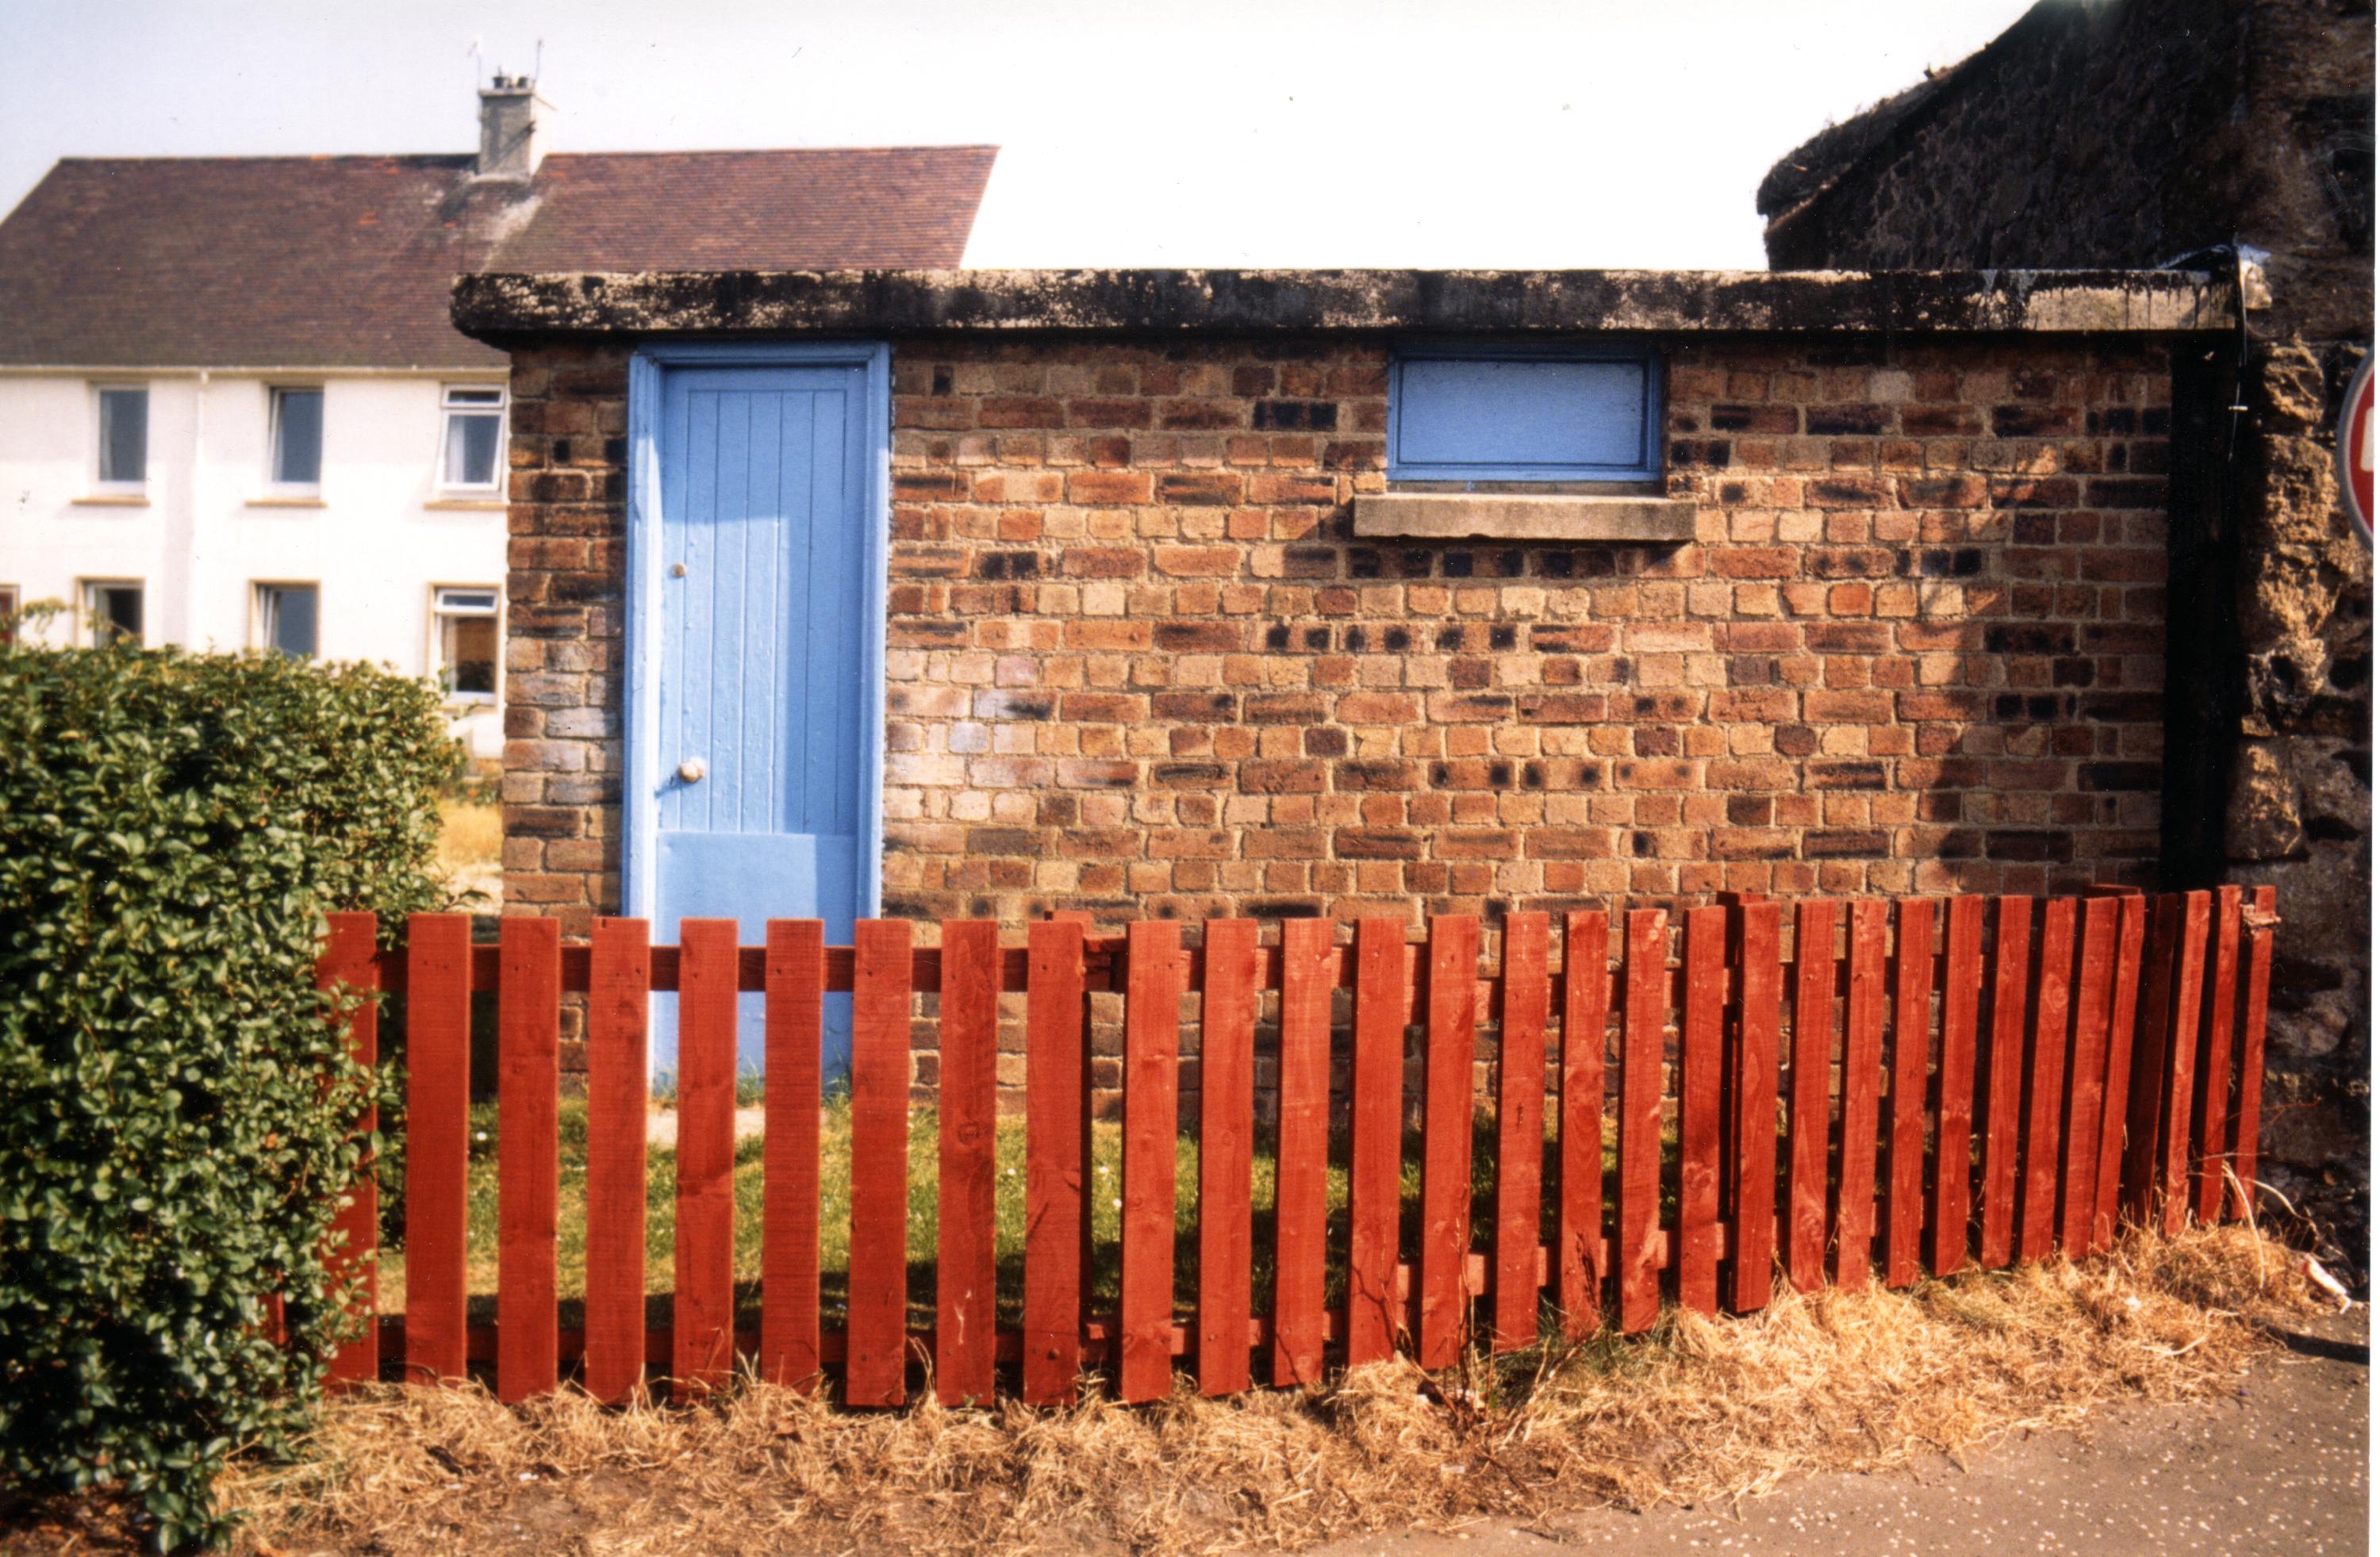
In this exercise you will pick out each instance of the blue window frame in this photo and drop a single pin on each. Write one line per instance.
(1555, 412)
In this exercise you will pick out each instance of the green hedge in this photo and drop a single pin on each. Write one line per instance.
(176, 1102)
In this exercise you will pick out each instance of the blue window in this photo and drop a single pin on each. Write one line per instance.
(1532, 413)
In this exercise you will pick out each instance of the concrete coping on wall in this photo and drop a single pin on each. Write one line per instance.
(1510, 516)
(504, 307)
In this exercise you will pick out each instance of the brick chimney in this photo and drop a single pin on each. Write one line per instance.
(508, 146)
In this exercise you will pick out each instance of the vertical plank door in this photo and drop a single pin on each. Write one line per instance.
(876, 1326)
(437, 1146)
(1227, 1108)
(528, 1165)
(1301, 1175)
(620, 994)
(965, 1274)
(794, 984)
(1152, 1043)
(1446, 1139)
(1056, 1212)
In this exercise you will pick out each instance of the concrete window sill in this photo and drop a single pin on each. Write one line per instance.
(1506, 517)
(465, 505)
(111, 500)
(290, 501)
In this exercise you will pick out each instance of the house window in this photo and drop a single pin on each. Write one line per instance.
(298, 439)
(473, 435)
(466, 645)
(287, 620)
(112, 608)
(1550, 413)
(123, 437)
(7, 615)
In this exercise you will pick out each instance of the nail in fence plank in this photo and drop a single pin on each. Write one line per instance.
(1383, 1009)
(616, 1090)
(1912, 1020)
(2152, 1057)
(2012, 978)
(1863, 1078)
(2189, 992)
(1954, 1083)
(1814, 1043)
(2087, 1071)
(349, 960)
(2215, 1059)
(1446, 1138)
(2132, 913)
(1301, 1182)
(1640, 1247)
(794, 1017)
(1151, 1062)
(1753, 1269)
(1586, 1012)
(1056, 1215)
(2045, 1080)
(877, 1328)
(527, 1082)
(2254, 1015)
(1701, 1044)
(1227, 1106)
(702, 1329)
(965, 1275)
(437, 1146)
(1520, 1129)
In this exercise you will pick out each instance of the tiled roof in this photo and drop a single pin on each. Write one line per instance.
(345, 261)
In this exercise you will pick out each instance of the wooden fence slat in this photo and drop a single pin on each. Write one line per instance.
(1586, 1011)
(1446, 1138)
(1227, 1109)
(349, 960)
(1057, 1107)
(702, 1328)
(966, 1278)
(2151, 1040)
(1754, 1268)
(1375, 1104)
(1646, 1014)
(528, 1160)
(2114, 1106)
(1954, 1083)
(2086, 1082)
(1520, 1129)
(437, 1144)
(2011, 980)
(1701, 1058)
(1301, 1172)
(1913, 1016)
(1152, 1061)
(2045, 1081)
(794, 1025)
(2249, 1113)
(617, 1087)
(1862, 1079)
(876, 1324)
(2214, 1151)
(2189, 997)
(1814, 1043)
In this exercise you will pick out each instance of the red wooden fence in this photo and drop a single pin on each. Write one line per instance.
(1996, 1079)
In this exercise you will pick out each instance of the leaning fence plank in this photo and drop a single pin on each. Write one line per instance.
(1814, 1043)
(1151, 1058)
(702, 1330)
(1862, 1078)
(1301, 1175)
(2011, 977)
(2045, 1080)
(1520, 1129)
(1701, 1056)
(1638, 1249)
(437, 1145)
(1446, 1138)
(2253, 1020)
(1954, 1083)
(349, 962)
(2132, 914)
(965, 1274)
(1586, 1011)
(621, 985)
(1375, 1104)
(1055, 1209)
(1912, 1011)
(1227, 1031)
(2087, 1073)
(794, 1018)
(877, 1341)
(2152, 1059)
(1753, 1271)
(527, 1078)
(2214, 1153)
(2189, 997)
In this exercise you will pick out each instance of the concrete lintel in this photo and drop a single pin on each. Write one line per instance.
(1511, 516)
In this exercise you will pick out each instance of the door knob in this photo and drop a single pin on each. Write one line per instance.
(692, 771)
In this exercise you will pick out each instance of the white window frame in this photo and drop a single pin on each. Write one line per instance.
(100, 485)
(87, 596)
(438, 615)
(258, 638)
(273, 485)
(448, 409)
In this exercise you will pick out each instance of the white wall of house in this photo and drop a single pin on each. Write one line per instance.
(377, 537)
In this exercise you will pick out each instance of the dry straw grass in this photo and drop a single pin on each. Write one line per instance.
(1703, 1410)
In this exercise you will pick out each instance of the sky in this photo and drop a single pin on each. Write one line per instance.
(1598, 134)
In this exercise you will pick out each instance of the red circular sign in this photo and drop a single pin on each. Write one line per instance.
(2355, 432)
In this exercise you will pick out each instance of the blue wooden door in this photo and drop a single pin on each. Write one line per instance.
(767, 630)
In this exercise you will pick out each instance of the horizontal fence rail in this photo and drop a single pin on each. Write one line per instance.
(1828, 1093)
